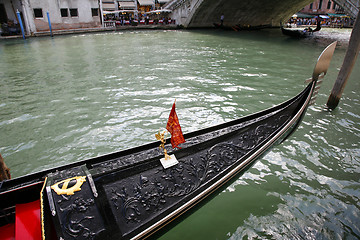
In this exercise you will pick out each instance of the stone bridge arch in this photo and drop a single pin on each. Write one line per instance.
(253, 13)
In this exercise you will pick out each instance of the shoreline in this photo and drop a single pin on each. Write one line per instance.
(93, 30)
(328, 35)
(325, 36)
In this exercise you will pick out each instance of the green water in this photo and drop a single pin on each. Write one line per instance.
(75, 97)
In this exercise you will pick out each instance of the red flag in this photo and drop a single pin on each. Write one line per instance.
(173, 126)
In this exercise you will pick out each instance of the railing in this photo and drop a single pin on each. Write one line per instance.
(175, 4)
(351, 7)
(186, 9)
(109, 24)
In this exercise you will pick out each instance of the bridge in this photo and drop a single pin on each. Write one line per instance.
(247, 13)
(351, 7)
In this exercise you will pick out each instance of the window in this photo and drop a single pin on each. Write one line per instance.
(334, 5)
(329, 5)
(38, 13)
(320, 4)
(64, 12)
(95, 12)
(3, 15)
(73, 12)
(311, 6)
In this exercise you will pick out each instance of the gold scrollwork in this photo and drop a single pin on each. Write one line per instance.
(161, 137)
(69, 191)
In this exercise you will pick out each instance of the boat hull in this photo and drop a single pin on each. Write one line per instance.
(130, 195)
(296, 33)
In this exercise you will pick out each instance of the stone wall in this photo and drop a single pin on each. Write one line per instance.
(84, 18)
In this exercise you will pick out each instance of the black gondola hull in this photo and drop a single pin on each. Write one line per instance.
(295, 33)
(129, 194)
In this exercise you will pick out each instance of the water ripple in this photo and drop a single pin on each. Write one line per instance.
(76, 97)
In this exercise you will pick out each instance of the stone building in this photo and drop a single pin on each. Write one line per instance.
(322, 7)
(64, 14)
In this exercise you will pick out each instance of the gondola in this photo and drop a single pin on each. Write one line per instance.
(295, 33)
(129, 194)
(307, 32)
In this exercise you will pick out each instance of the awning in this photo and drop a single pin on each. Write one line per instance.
(163, 1)
(126, 5)
(336, 15)
(159, 11)
(303, 15)
(146, 2)
(118, 11)
(108, 6)
(324, 16)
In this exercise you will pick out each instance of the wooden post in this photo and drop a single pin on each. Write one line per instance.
(4, 170)
(348, 64)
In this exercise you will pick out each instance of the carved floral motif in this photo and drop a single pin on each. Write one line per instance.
(158, 189)
(74, 226)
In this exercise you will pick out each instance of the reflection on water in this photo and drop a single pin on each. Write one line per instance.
(74, 97)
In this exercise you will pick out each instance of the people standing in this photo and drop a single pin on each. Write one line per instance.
(222, 19)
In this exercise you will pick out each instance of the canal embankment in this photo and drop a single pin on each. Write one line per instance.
(326, 36)
(92, 30)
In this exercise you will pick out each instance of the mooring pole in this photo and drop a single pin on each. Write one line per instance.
(348, 64)
(48, 17)
(21, 24)
(4, 170)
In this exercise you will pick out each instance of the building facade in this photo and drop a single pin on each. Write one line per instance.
(330, 13)
(130, 10)
(69, 14)
(322, 7)
(64, 14)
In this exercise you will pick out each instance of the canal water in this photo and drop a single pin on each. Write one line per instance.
(69, 98)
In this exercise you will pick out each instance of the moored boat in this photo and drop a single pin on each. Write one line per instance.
(304, 33)
(295, 33)
(129, 194)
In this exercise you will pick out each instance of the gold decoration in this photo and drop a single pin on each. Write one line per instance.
(42, 210)
(161, 137)
(69, 191)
